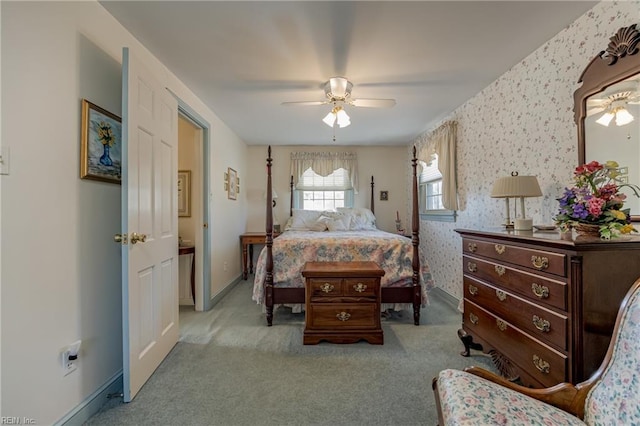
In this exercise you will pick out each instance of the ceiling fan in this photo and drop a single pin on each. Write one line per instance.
(338, 93)
(614, 105)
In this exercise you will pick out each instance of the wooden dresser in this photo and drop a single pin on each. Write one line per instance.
(544, 304)
(342, 301)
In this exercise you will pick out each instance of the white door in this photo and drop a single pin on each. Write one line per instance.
(150, 220)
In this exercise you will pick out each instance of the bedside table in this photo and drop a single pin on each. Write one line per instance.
(247, 240)
(342, 301)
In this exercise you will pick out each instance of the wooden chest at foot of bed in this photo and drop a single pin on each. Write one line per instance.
(342, 302)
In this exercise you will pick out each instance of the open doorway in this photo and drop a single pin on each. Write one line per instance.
(192, 208)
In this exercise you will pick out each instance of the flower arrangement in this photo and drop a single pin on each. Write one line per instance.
(105, 134)
(595, 199)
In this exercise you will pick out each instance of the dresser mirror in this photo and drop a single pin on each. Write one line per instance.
(607, 110)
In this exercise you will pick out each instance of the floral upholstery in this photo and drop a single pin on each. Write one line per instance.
(614, 399)
(467, 399)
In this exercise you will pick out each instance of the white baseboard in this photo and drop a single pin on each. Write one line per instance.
(93, 403)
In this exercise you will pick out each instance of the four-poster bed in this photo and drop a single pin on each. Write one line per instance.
(406, 281)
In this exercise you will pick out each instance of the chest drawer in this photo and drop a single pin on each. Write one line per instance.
(361, 287)
(343, 316)
(544, 364)
(537, 260)
(324, 287)
(544, 324)
(529, 285)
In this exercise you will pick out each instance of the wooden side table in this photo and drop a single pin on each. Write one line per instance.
(247, 240)
(190, 250)
(342, 301)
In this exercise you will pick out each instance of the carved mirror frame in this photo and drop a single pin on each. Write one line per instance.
(618, 62)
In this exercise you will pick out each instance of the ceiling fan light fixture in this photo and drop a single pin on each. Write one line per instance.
(343, 118)
(606, 118)
(623, 117)
(330, 119)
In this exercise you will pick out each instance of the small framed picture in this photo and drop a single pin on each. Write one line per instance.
(184, 193)
(384, 195)
(100, 144)
(232, 184)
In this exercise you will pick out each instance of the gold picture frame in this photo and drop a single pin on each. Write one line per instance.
(232, 184)
(184, 193)
(100, 144)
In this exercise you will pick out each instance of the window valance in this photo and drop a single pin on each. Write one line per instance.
(325, 163)
(442, 141)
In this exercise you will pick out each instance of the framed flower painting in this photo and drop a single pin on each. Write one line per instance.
(100, 144)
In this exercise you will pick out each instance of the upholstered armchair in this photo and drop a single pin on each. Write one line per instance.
(610, 397)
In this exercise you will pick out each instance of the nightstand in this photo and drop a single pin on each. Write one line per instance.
(342, 302)
(247, 240)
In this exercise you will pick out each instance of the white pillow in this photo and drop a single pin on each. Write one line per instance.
(363, 218)
(339, 224)
(320, 225)
(304, 220)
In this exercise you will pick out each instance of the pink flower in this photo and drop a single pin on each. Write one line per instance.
(594, 206)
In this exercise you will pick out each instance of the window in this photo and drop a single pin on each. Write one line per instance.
(315, 192)
(430, 193)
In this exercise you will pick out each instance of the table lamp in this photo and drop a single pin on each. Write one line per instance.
(517, 186)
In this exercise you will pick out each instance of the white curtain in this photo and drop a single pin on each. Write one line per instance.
(442, 141)
(325, 163)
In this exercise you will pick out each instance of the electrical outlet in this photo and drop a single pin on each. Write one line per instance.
(68, 365)
(225, 266)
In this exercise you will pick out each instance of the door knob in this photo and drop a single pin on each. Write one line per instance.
(120, 238)
(135, 237)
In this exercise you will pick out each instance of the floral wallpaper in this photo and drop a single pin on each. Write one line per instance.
(522, 122)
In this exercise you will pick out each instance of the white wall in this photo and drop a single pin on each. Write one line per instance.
(388, 166)
(521, 122)
(60, 266)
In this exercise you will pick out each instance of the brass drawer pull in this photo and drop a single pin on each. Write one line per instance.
(541, 324)
(500, 270)
(501, 325)
(343, 316)
(472, 267)
(327, 288)
(542, 365)
(473, 290)
(501, 295)
(360, 287)
(540, 262)
(500, 248)
(473, 247)
(473, 318)
(540, 290)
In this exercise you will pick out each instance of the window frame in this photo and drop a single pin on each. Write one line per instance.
(435, 215)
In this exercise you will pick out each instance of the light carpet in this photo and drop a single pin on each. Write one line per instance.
(229, 368)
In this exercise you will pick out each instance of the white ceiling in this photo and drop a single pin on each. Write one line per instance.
(243, 59)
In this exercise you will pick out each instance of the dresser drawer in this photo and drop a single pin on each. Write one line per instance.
(343, 316)
(541, 323)
(361, 287)
(538, 260)
(531, 286)
(324, 287)
(541, 362)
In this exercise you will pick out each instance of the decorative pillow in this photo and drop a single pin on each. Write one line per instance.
(320, 225)
(339, 224)
(304, 220)
(363, 218)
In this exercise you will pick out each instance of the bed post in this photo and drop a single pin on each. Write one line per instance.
(268, 283)
(415, 239)
(291, 198)
(371, 205)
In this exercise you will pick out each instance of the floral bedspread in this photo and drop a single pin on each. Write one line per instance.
(292, 249)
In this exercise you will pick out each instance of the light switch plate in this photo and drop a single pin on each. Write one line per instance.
(4, 160)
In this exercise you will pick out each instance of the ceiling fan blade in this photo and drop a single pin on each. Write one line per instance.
(594, 110)
(305, 103)
(373, 103)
